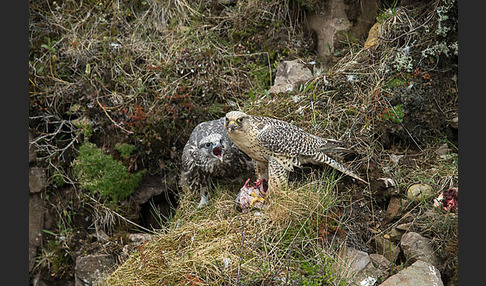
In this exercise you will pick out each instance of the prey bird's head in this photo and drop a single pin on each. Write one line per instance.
(235, 120)
(212, 146)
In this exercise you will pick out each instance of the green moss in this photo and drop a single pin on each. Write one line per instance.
(396, 82)
(99, 173)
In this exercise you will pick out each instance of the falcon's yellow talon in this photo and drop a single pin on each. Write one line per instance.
(256, 198)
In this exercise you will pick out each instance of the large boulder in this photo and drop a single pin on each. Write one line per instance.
(420, 273)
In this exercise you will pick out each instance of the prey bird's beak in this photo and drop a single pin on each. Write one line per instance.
(232, 125)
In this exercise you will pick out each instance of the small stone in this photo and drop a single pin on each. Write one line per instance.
(139, 237)
(380, 261)
(368, 281)
(404, 226)
(420, 191)
(393, 209)
(386, 248)
(359, 259)
(420, 273)
(416, 247)
(290, 74)
(396, 234)
(359, 263)
(443, 150)
(446, 157)
(454, 123)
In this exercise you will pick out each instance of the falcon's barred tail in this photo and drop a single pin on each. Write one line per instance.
(323, 158)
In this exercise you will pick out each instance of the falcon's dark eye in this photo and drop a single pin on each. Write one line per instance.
(239, 120)
(208, 144)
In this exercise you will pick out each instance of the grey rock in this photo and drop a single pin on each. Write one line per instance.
(386, 248)
(37, 179)
(36, 225)
(396, 234)
(93, 269)
(360, 265)
(153, 186)
(416, 247)
(404, 226)
(359, 260)
(380, 262)
(32, 149)
(420, 273)
(290, 74)
(144, 193)
(443, 150)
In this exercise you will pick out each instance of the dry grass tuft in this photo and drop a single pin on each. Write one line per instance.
(218, 245)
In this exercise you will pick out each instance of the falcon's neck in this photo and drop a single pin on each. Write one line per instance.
(246, 141)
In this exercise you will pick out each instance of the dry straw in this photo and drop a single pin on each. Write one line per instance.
(218, 245)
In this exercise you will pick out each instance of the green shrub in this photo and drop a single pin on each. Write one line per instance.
(124, 149)
(98, 172)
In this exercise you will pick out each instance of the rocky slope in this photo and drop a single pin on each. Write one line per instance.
(134, 78)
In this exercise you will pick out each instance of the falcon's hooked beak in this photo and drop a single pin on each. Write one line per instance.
(232, 125)
(218, 152)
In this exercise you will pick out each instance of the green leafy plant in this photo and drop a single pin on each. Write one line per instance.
(49, 46)
(98, 172)
(84, 125)
(124, 149)
(394, 114)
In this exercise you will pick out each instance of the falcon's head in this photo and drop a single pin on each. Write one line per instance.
(235, 120)
(212, 146)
